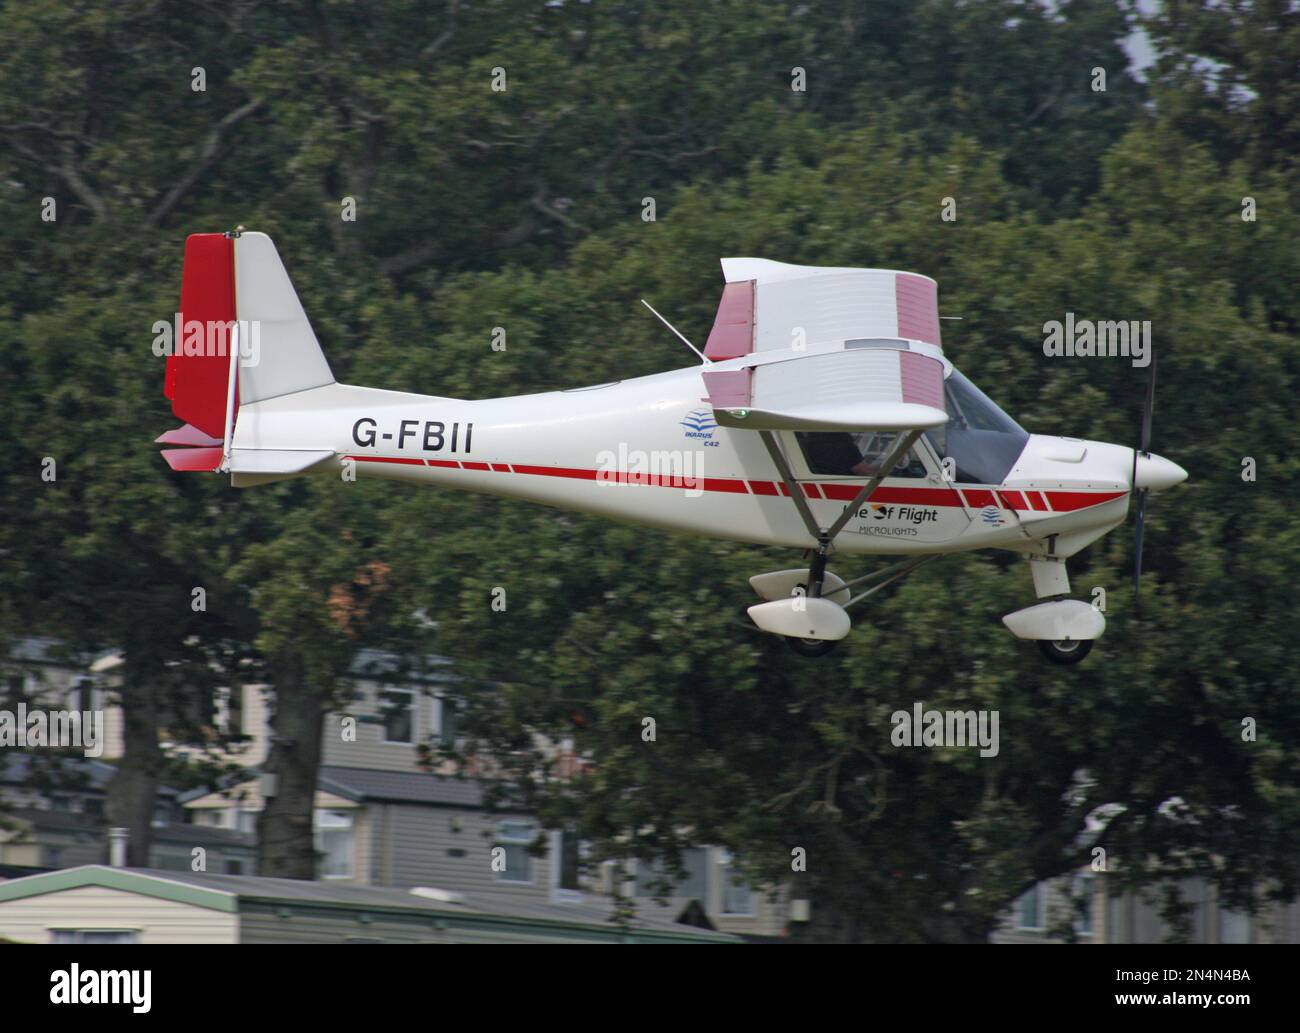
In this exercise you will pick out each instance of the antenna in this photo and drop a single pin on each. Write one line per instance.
(703, 357)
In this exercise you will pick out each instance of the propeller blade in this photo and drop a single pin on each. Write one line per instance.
(1149, 408)
(1137, 548)
(1143, 449)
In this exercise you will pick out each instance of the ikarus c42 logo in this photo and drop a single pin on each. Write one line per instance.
(700, 425)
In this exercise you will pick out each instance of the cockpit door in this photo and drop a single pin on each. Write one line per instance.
(913, 504)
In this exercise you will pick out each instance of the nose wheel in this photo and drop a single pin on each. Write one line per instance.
(811, 646)
(1065, 651)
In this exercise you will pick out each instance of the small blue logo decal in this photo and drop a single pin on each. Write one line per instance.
(700, 423)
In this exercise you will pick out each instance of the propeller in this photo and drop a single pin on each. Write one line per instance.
(1144, 449)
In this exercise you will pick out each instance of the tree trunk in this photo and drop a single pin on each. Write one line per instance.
(286, 842)
(133, 790)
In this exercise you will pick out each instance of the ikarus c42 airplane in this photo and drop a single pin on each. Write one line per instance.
(822, 416)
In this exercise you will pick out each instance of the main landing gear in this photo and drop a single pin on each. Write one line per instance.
(808, 610)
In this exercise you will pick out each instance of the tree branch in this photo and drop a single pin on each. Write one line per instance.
(72, 176)
(453, 8)
(211, 151)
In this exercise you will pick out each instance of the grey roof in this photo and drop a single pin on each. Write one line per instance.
(592, 908)
(261, 887)
(594, 914)
(591, 911)
(177, 832)
(17, 768)
(360, 784)
(67, 821)
(192, 835)
(400, 786)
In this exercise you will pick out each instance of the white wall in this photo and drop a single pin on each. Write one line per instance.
(31, 919)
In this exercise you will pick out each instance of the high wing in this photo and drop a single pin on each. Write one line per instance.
(884, 388)
(813, 348)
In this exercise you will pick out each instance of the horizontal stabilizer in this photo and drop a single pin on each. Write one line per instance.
(276, 460)
(191, 460)
(187, 435)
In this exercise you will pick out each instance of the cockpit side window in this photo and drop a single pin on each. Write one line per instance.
(839, 454)
(981, 440)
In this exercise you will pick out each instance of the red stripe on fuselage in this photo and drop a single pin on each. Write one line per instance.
(546, 471)
(905, 496)
(725, 484)
(1067, 501)
(1061, 501)
(388, 459)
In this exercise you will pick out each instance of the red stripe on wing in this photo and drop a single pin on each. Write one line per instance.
(922, 379)
(733, 327)
(918, 308)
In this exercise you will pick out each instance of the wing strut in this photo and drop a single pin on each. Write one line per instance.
(791, 485)
(825, 536)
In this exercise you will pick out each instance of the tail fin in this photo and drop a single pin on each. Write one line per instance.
(286, 356)
(231, 280)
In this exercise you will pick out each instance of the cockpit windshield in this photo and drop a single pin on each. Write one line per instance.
(982, 440)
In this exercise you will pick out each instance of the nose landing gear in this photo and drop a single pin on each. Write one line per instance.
(1065, 651)
(1064, 628)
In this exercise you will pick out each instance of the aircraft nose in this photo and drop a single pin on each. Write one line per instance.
(1155, 473)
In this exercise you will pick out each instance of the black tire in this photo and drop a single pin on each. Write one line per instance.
(811, 647)
(1065, 652)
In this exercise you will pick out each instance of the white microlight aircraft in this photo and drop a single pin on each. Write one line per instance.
(823, 416)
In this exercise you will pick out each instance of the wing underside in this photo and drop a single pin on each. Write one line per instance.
(851, 390)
